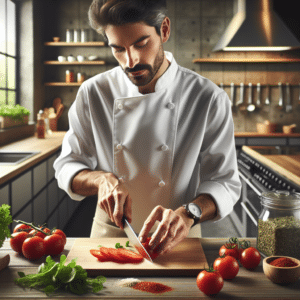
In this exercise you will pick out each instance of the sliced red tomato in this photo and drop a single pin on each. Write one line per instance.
(131, 256)
(97, 253)
(152, 254)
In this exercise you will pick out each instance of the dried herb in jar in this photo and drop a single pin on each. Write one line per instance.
(279, 236)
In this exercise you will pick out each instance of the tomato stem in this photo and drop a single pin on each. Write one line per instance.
(32, 226)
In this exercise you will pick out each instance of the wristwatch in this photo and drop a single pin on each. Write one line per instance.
(193, 211)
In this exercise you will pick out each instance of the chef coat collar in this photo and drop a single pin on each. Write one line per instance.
(163, 81)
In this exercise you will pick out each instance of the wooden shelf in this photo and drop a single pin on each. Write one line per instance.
(62, 84)
(85, 63)
(72, 44)
(246, 60)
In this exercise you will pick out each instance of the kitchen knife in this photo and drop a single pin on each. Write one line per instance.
(133, 239)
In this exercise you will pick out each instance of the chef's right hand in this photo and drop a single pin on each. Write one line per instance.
(114, 198)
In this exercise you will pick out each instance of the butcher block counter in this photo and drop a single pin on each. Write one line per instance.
(45, 147)
(247, 284)
(286, 165)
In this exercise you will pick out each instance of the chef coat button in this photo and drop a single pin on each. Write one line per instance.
(164, 148)
(120, 106)
(162, 183)
(171, 105)
(119, 146)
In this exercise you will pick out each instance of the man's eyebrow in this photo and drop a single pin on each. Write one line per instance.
(137, 41)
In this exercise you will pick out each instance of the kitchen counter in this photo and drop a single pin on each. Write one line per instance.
(46, 147)
(274, 134)
(247, 284)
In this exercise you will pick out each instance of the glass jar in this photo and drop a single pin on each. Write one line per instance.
(279, 224)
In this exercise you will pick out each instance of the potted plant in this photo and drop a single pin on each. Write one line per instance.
(5, 220)
(13, 115)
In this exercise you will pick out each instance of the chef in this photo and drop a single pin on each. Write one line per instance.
(153, 140)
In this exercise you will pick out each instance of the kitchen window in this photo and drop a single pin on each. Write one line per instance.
(8, 56)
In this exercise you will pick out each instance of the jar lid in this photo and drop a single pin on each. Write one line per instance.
(284, 199)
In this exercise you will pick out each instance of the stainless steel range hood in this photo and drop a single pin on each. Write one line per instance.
(256, 27)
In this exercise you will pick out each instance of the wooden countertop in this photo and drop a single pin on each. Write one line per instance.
(46, 146)
(286, 165)
(268, 135)
(247, 284)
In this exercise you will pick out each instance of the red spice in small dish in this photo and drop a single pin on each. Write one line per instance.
(152, 287)
(283, 262)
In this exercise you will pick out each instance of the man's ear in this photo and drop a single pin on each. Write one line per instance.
(165, 29)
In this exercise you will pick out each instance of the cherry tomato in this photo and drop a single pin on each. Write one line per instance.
(250, 258)
(60, 232)
(22, 227)
(243, 245)
(33, 248)
(227, 266)
(54, 244)
(17, 239)
(40, 234)
(230, 249)
(210, 282)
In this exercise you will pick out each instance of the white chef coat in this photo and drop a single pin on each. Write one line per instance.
(168, 146)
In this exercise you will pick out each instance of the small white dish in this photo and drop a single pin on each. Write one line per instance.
(62, 58)
(71, 58)
(80, 58)
(92, 57)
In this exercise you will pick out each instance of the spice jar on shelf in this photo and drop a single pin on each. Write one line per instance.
(70, 76)
(279, 224)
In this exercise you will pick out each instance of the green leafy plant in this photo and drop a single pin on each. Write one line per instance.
(5, 220)
(16, 112)
(53, 276)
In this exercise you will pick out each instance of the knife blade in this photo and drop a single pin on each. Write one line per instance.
(133, 239)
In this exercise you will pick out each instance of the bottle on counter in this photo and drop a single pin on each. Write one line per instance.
(40, 126)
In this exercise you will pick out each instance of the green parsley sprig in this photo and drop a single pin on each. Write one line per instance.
(5, 220)
(53, 276)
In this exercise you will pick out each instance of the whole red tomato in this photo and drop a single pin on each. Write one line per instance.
(210, 282)
(60, 232)
(230, 249)
(40, 234)
(227, 266)
(17, 239)
(33, 248)
(54, 244)
(22, 227)
(250, 258)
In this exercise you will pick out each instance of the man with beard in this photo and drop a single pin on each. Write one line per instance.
(153, 140)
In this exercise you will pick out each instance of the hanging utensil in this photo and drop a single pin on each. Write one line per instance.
(266, 107)
(251, 106)
(288, 106)
(258, 102)
(232, 94)
(241, 101)
(280, 102)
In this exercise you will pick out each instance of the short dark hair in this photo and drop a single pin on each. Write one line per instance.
(120, 12)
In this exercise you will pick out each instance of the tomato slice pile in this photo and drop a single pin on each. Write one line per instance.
(120, 255)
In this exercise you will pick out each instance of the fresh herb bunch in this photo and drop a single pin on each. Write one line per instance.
(16, 112)
(53, 276)
(5, 220)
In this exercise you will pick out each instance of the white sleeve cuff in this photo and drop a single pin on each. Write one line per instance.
(222, 198)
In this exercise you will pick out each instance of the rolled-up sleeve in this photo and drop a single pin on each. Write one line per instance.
(218, 164)
(78, 147)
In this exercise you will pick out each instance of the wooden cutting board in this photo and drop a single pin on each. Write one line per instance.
(186, 259)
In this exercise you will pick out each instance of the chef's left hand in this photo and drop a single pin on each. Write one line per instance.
(173, 228)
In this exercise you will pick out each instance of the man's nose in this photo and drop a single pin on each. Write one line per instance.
(131, 59)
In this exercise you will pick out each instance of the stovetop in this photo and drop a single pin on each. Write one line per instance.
(261, 174)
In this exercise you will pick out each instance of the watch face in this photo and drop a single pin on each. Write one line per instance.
(195, 210)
